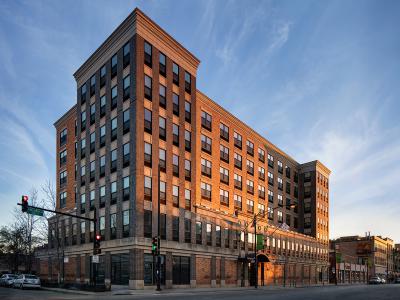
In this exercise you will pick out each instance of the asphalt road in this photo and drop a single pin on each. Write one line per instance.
(358, 292)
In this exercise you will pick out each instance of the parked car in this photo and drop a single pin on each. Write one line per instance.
(375, 280)
(27, 281)
(7, 280)
(397, 280)
(383, 280)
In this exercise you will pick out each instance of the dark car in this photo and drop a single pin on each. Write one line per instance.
(375, 280)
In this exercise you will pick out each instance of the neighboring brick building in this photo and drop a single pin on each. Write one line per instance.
(138, 108)
(376, 252)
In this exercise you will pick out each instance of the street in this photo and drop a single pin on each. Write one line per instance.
(355, 292)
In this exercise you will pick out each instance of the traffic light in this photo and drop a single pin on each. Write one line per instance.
(97, 249)
(24, 203)
(154, 246)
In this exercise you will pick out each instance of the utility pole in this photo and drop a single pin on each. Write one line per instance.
(158, 277)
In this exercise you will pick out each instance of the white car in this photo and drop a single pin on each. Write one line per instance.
(27, 281)
(7, 280)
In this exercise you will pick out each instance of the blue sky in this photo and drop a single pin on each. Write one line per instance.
(320, 79)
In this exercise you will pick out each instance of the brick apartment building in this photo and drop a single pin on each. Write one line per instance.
(138, 108)
(376, 252)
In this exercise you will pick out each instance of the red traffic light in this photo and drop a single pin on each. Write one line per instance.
(98, 237)
(25, 198)
(24, 203)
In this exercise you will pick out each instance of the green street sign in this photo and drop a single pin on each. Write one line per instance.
(338, 258)
(35, 211)
(260, 241)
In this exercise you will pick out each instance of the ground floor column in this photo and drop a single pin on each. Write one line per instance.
(78, 268)
(136, 263)
(193, 270)
(107, 270)
(213, 270)
(87, 268)
(168, 270)
(222, 268)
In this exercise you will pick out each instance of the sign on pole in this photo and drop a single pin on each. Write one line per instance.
(260, 241)
(66, 260)
(95, 259)
(35, 211)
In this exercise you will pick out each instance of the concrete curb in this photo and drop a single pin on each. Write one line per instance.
(68, 291)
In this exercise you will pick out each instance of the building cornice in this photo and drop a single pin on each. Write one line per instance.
(71, 111)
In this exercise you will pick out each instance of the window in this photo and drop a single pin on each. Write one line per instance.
(287, 169)
(83, 203)
(147, 188)
(114, 97)
(288, 203)
(250, 186)
(92, 113)
(280, 200)
(237, 181)
(125, 51)
(83, 94)
(270, 160)
(148, 54)
(92, 170)
(224, 175)
(126, 157)
(147, 87)
(83, 230)
(163, 99)
(114, 129)
(218, 236)
(63, 199)
(250, 167)
(125, 188)
(126, 86)
(163, 191)
(162, 64)
(125, 223)
(147, 154)
(270, 196)
(175, 104)
(102, 166)
(175, 73)
(237, 199)
(126, 121)
(280, 167)
(83, 120)
(237, 158)
(188, 81)
(63, 157)
(287, 187)
(206, 120)
(83, 173)
(113, 160)
(206, 191)
(102, 106)
(188, 141)
(83, 148)
(188, 199)
(307, 177)
(224, 132)
(102, 193)
(270, 213)
(261, 173)
(175, 229)
(175, 165)
(261, 208)
(208, 234)
(261, 192)
(296, 177)
(280, 217)
(113, 191)
(175, 195)
(92, 85)
(63, 137)
(147, 121)
(280, 184)
(102, 76)
(199, 239)
(188, 231)
(113, 226)
(270, 178)
(188, 112)
(92, 142)
(188, 170)
(237, 139)
(147, 226)
(114, 63)
(206, 167)
(102, 136)
(250, 206)
(162, 128)
(224, 153)
(162, 159)
(261, 155)
(175, 134)
(205, 144)
(224, 197)
(250, 148)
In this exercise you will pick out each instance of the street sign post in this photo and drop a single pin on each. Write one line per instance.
(35, 211)
(95, 259)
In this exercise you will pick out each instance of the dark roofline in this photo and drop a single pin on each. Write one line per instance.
(66, 115)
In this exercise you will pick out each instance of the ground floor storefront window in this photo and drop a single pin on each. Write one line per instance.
(180, 270)
(150, 268)
(120, 268)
